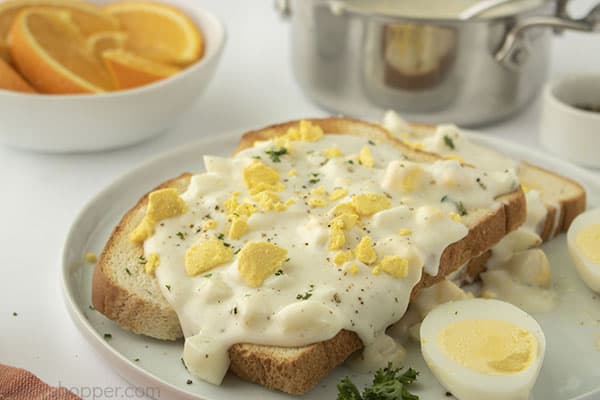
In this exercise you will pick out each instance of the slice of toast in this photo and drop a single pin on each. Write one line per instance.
(125, 294)
(563, 198)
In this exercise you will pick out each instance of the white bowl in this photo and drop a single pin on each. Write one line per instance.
(566, 130)
(88, 122)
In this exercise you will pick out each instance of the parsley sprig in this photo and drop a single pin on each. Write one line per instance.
(388, 384)
(449, 142)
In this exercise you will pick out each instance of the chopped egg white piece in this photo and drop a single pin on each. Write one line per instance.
(483, 349)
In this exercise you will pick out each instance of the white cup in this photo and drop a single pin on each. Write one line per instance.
(566, 128)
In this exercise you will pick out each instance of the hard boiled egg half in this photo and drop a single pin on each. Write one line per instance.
(583, 239)
(483, 349)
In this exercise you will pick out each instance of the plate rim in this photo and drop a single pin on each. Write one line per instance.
(135, 373)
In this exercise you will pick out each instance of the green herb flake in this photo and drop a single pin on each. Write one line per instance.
(304, 296)
(15, 314)
(279, 272)
(307, 294)
(449, 142)
(207, 275)
(107, 336)
(168, 287)
(313, 181)
(180, 235)
(460, 207)
(142, 260)
(481, 184)
(276, 154)
(128, 271)
(372, 143)
(237, 251)
(136, 359)
(388, 384)
(220, 236)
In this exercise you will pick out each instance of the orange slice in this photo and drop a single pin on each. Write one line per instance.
(159, 32)
(11, 80)
(49, 50)
(98, 43)
(88, 17)
(130, 70)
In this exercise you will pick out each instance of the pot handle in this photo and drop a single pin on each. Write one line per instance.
(513, 52)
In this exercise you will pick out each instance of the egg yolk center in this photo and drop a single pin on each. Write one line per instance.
(488, 346)
(588, 241)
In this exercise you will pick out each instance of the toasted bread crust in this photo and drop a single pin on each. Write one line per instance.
(150, 315)
(292, 370)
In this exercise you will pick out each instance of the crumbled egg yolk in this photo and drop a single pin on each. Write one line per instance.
(267, 200)
(333, 152)
(344, 208)
(162, 204)
(152, 262)
(292, 172)
(244, 209)
(210, 224)
(411, 180)
(368, 204)
(338, 225)
(404, 232)
(353, 269)
(305, 132)
(317, 202)
(344, 221)
(206, 255)
(455, 217)
(337, 238)
(260, 177)
(237, 228)
(364, 251)
(365, 157)
(395, 266)
(489, 346)
(259, 260)
(91, 257)
(342, 257)
(231, 203)
(337, 194)
(318, 191)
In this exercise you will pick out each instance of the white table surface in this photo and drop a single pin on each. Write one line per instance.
(42, 193)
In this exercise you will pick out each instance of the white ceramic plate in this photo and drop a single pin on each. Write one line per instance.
(571, 367)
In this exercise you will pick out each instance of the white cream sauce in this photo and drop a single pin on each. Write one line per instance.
(518, 272)
(310, 299)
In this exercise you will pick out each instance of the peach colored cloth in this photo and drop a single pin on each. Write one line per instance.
(19, 384)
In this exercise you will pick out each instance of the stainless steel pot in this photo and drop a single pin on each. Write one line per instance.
(469, 72)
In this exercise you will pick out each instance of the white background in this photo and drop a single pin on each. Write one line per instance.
(41, 194)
